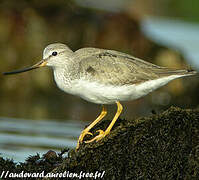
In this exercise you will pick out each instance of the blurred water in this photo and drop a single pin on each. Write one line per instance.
(21, 138)
(176, 34)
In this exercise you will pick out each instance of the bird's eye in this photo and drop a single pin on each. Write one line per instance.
(54, 53)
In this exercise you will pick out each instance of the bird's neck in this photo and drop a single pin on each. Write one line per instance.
(66, 74)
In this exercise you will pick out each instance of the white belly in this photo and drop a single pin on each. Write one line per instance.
(100, 94)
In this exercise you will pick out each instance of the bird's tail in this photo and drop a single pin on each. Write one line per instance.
(186, 72)
(170, 72)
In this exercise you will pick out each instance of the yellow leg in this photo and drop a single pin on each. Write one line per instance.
(102, 133)
(86, 130)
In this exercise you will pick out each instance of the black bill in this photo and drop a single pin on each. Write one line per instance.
(39, 64)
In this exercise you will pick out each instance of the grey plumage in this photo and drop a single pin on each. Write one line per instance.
(115, 68)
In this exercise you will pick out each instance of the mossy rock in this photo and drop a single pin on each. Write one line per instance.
(162, 146)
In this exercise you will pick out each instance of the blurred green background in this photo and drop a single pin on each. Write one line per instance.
(27, 26)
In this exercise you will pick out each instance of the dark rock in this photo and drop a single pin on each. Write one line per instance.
(162, 146)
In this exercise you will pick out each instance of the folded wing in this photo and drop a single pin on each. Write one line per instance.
(115, 68)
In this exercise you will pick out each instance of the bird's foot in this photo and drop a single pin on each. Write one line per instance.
(81, 137)
(100, 136)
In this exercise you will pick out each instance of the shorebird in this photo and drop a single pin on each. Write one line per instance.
(103, 77)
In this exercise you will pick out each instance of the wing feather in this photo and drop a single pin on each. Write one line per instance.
(115, 68)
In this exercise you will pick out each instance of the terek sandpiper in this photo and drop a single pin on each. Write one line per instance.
(103, 77)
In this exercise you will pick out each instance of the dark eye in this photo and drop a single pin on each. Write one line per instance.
(54, 53)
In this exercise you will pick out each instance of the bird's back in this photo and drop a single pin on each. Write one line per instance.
(115, 68)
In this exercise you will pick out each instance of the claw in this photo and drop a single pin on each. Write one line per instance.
(81, 137)
(100, 136)
(83, 134)
(100, 132)
(89, 133)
